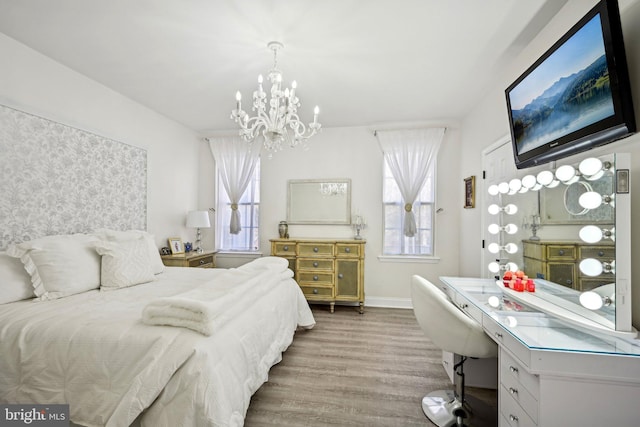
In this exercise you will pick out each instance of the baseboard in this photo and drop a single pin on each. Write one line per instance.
(388, 302)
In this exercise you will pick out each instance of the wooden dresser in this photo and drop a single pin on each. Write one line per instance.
(558, 261)
(327, 270)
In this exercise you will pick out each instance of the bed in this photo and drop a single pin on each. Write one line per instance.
(64, 340)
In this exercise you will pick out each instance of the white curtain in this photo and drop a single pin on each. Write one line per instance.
(235, 159)
(410, 153)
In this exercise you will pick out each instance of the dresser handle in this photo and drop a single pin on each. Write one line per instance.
(202, 262)
(347, 250)
(315, 291)
(561, 252)
(513, 369)
(498, 334)
(513, 390)
(513, 418)
(285, 248)
(340, 276)
(315, 249)
(600, 253)
(315, 278)
(315, 264)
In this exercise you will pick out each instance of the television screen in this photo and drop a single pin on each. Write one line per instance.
(576, 96)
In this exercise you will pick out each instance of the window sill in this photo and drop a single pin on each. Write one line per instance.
(426, 259)
(240, 253)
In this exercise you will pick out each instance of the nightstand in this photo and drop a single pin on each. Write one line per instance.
(206, 259)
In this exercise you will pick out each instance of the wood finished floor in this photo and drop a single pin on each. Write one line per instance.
(354, 370)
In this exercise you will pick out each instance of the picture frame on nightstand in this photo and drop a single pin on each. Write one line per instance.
(176, 245)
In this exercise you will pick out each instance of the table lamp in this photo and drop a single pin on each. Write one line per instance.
(198, 220)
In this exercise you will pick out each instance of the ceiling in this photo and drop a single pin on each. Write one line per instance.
(363, 62)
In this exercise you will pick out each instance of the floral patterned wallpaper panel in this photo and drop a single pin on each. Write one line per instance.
(55, 179)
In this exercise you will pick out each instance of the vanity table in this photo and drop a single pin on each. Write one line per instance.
(552, 373)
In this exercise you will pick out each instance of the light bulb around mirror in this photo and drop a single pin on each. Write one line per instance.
(494, 248)
(511, 228)
(511, 248)
(529, 181)
(512, 266)
(503, 188)
(494, 228)
(590, 234)
(493, 190)
(590, 200)
(591, 267)
(591, 300)
(510, 209)
(545, 177)
(567, 174)
(514, 186)
(494, 267)
(590, 167)
(494, 209)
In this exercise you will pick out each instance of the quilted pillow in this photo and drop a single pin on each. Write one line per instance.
(15, 283)
(60, 266)
(154, 255)
(124, 263)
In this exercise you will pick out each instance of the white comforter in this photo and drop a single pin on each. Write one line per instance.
(92, 351)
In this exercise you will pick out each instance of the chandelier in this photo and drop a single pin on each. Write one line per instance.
(280, 123)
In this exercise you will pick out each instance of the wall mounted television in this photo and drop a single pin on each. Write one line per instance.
(577, 96)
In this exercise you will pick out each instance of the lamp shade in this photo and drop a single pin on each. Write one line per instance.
(198, 219)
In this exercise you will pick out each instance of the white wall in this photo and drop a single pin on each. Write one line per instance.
(488, 122)
(35, 84)
(354, 153)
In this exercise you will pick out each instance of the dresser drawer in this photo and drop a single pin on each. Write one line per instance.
(315, 264)
(512, 412)
(314, 277)
(318, 291)
(284, 249)
(561, 252)
(315, 249)
(604, 253)
(347, 250)
(202, 262)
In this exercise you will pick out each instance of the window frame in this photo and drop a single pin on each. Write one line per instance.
(404, 255)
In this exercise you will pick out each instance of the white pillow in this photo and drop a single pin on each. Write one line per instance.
(60, 265)
(15, 282)
(154, 255)
(124, 263)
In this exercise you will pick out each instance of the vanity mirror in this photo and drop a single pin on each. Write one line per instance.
(319, 201)
(570, 229)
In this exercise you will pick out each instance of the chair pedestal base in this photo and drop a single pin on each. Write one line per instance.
(443, 409)
(439, 406)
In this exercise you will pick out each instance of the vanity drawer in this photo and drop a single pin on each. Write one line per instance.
(511, 368)
(347, 250)
(313, 277)
(317, 291)
(284, 249)
(561, 252)
(471, 310)
(315, 264)
(512, 412)
(604, 253)
(505, 339)
(315, 249)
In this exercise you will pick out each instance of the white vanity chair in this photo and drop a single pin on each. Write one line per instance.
(451, 329)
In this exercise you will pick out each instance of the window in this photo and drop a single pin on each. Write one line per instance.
(249, 207)
(394, 240)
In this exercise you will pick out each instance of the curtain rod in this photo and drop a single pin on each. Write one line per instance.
(375, 131)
